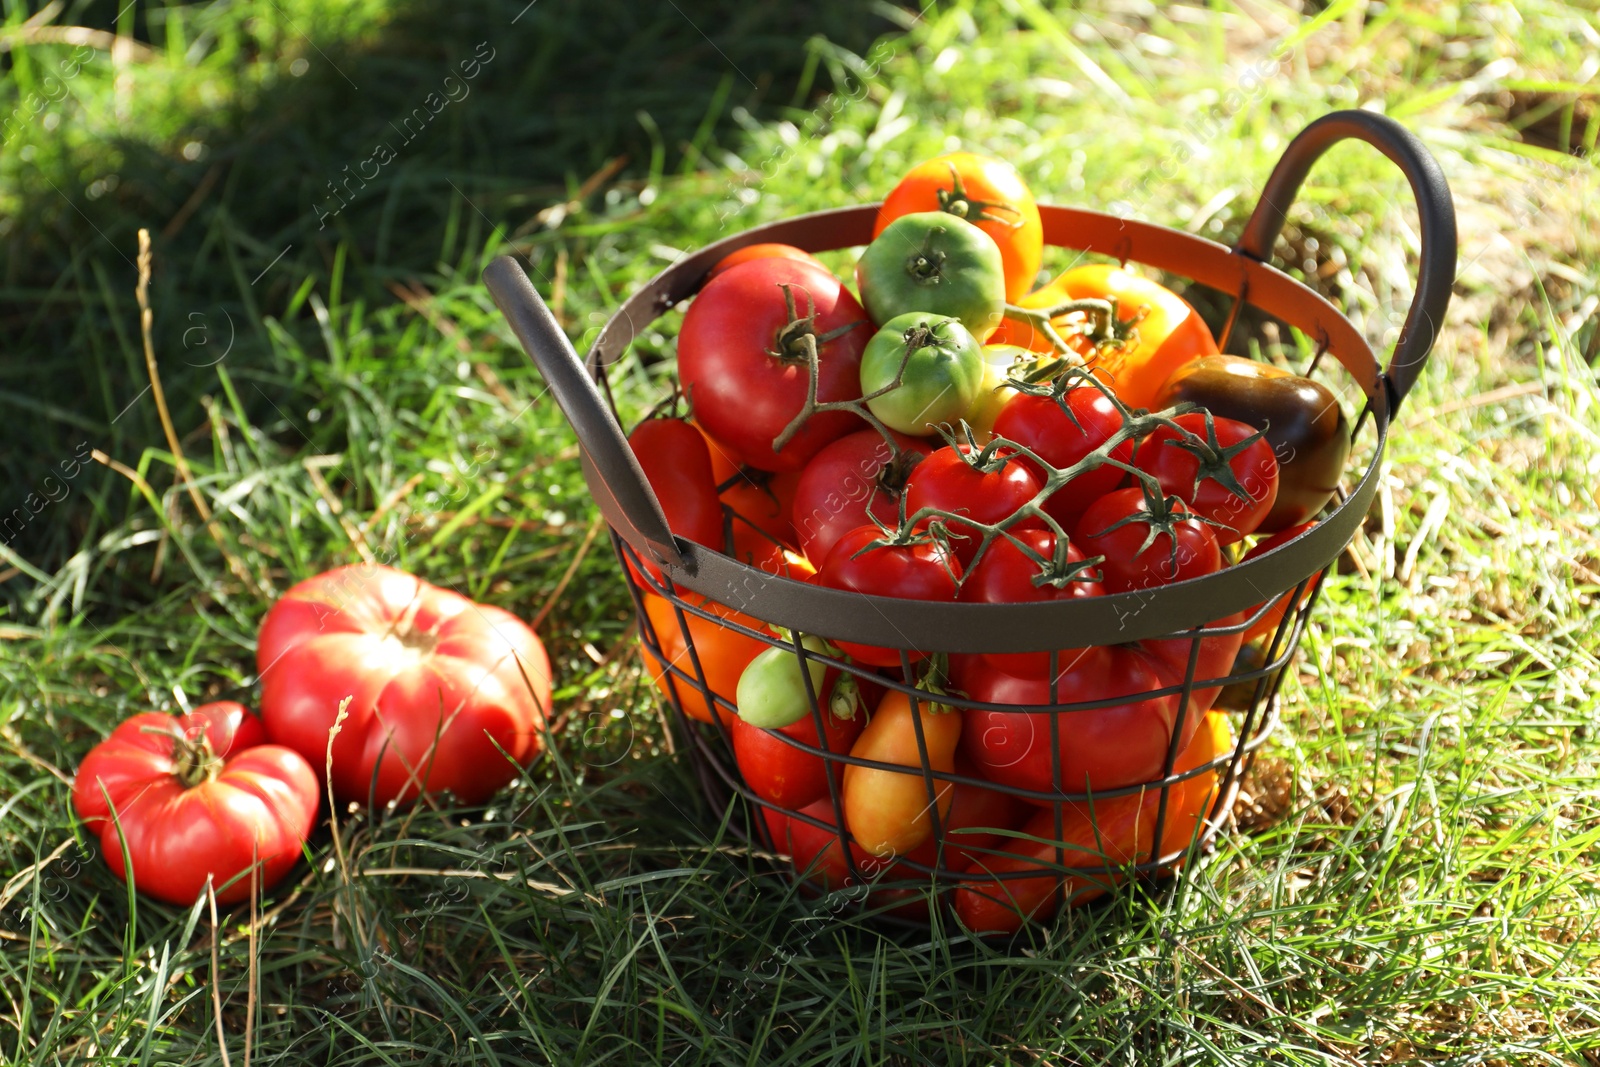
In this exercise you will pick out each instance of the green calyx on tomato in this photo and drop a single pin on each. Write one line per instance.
(921, 370)
(773, 693)
(934, 262)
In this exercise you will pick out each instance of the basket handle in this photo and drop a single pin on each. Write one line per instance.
(624, 496)
(1437, 267)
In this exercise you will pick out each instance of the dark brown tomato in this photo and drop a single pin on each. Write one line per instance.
(1300, 418)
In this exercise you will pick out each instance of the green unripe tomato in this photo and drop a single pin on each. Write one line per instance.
(772, 692)
(943, 372)
(936, 263)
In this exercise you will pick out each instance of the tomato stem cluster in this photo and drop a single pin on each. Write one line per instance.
(956, 201)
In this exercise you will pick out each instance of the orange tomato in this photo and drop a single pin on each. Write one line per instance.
(1169, 335)
(1111, 833)
(768, 250)
(766, 502)
(986, 192)
(723, 653)
(886, 810)
(724, 461)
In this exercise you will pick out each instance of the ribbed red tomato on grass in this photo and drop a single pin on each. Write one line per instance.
(443, 694)
(190, 798)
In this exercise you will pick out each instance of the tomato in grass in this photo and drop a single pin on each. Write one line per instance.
(765, 250)
(1147, 540)
(1300, 418)
(1098, 837)
(1222, 469)
(743, 358)
(850, 482)
(933, 263)
(1157, 331)
(444, 694)
(889, 812)
(721, 652)
(1121, 744)
(921, 371)
(986, 192)
(1062, 430)
(182, 800)
(985, 489)
(1008, 574)
(919, 570)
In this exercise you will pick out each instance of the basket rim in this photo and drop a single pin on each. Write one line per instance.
(954, 626)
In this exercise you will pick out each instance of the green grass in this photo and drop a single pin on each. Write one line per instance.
(1413, 876)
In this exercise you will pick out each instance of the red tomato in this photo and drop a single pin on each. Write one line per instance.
(677, 465)
(986, 192)
(1118, 831)
(196, 797)
(444, 694)
(1006, 575)
(745, 395)
(1267, 625)
(722, 653)
(1100, 748)
(783, 774)
(947, 480)
(1138, 553)
(1225, 472)
(1062, 432)
(834, 490)
(923, 571)
(1215, 660)
(769, 250)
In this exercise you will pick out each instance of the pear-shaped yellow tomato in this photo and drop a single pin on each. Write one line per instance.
(888, 810)
(987, 193)
(1159, 330)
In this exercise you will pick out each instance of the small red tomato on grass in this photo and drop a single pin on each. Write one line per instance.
(196, 797)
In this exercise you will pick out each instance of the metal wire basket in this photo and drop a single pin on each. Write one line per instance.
(1290, 575)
